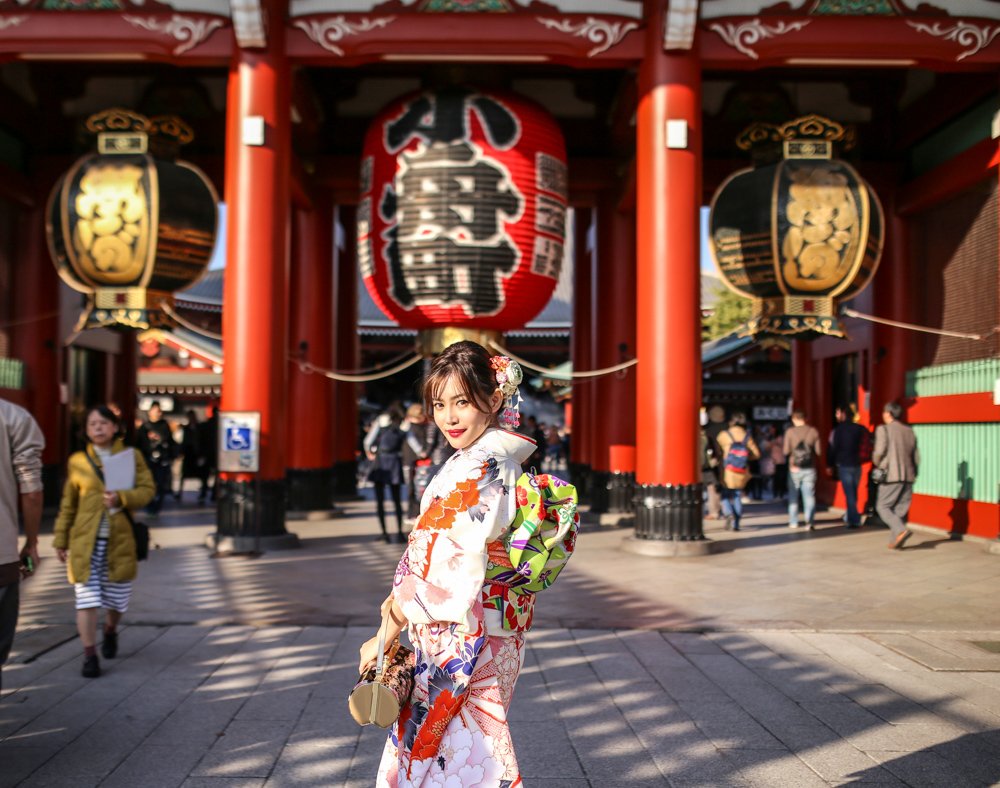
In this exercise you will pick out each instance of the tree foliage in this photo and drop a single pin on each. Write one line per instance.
(729, 313)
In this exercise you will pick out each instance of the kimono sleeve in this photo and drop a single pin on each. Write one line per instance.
(440, 576)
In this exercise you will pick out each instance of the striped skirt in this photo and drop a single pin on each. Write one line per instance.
(98, 591)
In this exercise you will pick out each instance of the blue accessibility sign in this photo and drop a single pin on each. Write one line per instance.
(238, 438)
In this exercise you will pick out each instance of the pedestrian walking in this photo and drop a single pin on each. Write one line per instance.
(780, 460)
(158, 448)
(208, 446)
(384, 447)
(536, 432)
(709, 458)
(716, 424)
(802, 448)
(20, 487)
(765, 438)
(193, 460)
(849, 443)
(417, 431)
(93, 533)
(738, 449)
(897, 459)
(469, 644)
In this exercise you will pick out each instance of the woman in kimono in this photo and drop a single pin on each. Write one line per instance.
(467, 632)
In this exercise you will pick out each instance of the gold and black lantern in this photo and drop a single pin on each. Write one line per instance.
(130, 225)
(800, 232)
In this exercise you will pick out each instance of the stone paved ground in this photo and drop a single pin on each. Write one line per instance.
(787, 659)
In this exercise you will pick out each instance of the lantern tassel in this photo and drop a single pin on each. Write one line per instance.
(913, 327)
(593, 373)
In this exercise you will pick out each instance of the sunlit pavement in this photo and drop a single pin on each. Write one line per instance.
(788, 658)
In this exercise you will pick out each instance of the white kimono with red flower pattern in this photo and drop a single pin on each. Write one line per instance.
(454, 730)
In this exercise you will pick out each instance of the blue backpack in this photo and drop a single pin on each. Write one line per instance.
(738, 456)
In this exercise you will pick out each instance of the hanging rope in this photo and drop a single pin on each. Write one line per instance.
(593, 373)
(36, 319)
(912, 327)
(307, 367)
(183, 323)
(360, 376)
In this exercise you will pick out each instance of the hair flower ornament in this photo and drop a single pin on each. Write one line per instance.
(509, 377)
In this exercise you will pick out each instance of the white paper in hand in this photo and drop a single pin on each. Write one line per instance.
(119, 471)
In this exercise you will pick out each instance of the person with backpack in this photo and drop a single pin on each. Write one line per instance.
(384, 446)
(802, 447)
(738, 449)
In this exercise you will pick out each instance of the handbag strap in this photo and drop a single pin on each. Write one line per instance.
(100, 475)
(380, 664)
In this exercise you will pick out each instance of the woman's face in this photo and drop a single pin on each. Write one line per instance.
(458, 417)
(100, 431)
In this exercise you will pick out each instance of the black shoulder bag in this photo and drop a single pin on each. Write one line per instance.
(140, 531)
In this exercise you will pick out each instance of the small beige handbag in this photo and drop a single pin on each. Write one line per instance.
(382, 690)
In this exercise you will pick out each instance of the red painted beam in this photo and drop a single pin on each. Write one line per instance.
(528, 37)
(957, 516)
(73, 36)
(953, 409)
(769, 40)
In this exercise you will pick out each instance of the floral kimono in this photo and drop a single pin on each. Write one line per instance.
(454, 730)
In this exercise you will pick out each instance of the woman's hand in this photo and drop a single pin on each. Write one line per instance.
(112, 500)
(62, 554)
(369, 654)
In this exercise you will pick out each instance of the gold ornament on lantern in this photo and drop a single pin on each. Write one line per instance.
(798, 235)
(130, 225)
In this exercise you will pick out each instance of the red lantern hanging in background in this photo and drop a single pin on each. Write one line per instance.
(461, 222)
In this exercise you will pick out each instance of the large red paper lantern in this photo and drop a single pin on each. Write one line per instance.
(461, 221)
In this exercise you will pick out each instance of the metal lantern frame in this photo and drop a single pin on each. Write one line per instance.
(785, 304)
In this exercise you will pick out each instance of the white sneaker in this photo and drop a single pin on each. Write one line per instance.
(793, 525)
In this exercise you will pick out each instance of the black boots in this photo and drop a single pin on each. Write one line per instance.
(91, 667)
(109, 647)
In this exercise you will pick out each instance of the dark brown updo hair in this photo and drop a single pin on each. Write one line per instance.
(469, 363)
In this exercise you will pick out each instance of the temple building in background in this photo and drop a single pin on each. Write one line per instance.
(449, 155)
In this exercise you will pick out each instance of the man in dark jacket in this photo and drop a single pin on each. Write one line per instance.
(847, 442)
(159, 449)
(897, 455)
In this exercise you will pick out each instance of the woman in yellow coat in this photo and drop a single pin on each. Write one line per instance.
(94, 536)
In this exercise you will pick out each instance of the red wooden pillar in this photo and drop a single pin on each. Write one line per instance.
(614, 428)
(668, 197)
(310, 395)
(347, 355)
(893, 353)
(581, 349)
(124, 381)
(254, 325)
(803, 375)
(35, 340)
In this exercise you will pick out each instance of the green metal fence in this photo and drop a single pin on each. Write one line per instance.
(965, 377)
(958, 460)
(11, 373)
